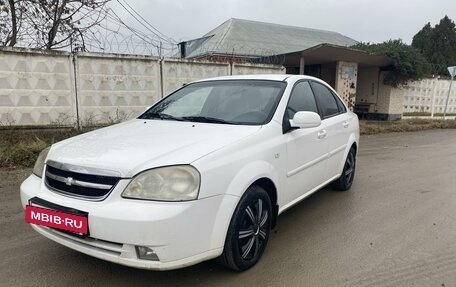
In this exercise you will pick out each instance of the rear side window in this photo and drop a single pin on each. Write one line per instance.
(341, 106)
(301, 99)
(326, 100)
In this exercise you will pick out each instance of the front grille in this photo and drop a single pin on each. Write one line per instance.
(79, 181)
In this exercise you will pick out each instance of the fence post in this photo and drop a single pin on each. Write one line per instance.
(448, 97)
(74, 79)
(434, 91)
(161, 61)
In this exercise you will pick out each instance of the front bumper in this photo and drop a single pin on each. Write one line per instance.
(180, 233)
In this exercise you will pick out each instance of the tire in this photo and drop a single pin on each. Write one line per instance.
(248, 233)
(345, 181)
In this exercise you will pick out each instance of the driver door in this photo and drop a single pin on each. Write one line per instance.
(307, 148)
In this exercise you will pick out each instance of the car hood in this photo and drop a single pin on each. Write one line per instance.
(136, 145)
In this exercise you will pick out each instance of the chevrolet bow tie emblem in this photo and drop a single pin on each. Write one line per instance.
(69, 181)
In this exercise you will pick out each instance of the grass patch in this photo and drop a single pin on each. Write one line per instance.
(374, 127)
(20, 148)
(425, 114)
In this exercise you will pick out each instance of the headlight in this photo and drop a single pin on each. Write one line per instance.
(171, 183)
(39, 164)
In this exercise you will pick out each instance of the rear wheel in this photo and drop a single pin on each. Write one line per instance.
(249, 229)
(345, 181)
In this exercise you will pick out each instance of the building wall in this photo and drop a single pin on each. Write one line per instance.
(346, 81)
(59, 88)
(367, 87)
(384, 95)
(396, 102)
(429, 96)
(389, 104)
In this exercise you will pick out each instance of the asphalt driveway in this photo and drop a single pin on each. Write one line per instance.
(395, 227)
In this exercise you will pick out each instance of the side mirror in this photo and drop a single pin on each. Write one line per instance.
(305, 120)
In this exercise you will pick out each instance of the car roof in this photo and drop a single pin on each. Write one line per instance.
(270, 77)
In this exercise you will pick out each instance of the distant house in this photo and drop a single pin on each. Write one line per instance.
(354, 74)
(252, 39)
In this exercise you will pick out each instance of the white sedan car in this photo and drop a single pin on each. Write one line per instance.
(202, 174)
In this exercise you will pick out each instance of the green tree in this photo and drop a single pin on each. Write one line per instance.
(438, 44)
(408, 63)
(421, 40)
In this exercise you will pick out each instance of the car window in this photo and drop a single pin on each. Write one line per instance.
(301, 99)
(243, 102)
(326, 100)
(340, 105)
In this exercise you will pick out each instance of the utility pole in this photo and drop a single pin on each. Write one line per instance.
(452, 71)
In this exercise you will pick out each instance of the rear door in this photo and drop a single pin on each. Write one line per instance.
(336, 122)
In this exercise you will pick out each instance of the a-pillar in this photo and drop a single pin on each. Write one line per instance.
(346, 80)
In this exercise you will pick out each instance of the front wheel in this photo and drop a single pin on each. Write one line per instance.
(345, 181)
(249, 229)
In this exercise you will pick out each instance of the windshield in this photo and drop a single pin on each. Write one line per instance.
(240, 102)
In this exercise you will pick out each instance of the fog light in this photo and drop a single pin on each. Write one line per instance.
(146, 253)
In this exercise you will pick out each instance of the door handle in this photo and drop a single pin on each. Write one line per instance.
(321, 134)
(345, 124)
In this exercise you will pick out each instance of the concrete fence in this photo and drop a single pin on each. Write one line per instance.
(428, 96)
(39, 88)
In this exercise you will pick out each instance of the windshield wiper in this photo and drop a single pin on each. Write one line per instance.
(161, 116)
(203, 119)
(200, 119)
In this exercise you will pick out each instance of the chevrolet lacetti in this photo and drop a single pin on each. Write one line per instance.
(201, 174)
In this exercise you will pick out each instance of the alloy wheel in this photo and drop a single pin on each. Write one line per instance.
(253, 232)
(349, 169)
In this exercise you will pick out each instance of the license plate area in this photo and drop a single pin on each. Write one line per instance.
(62, 218)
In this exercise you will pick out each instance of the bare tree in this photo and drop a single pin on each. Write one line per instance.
(9, 22)
(49, 24)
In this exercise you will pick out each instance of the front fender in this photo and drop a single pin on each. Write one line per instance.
(250, 173)
(240, 182)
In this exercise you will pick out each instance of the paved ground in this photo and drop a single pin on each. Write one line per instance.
(396, 227)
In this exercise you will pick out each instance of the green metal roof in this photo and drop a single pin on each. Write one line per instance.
(247, 38)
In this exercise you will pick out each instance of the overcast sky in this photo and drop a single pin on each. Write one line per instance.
(362, 20)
